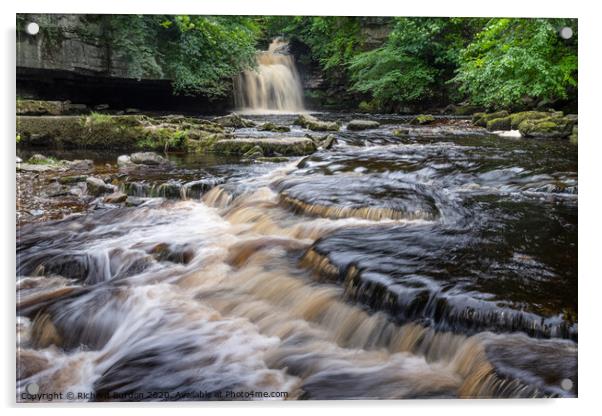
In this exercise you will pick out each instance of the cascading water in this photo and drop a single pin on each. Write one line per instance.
(433, 267)
(275, 84)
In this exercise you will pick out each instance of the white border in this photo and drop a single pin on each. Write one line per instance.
(590, 153)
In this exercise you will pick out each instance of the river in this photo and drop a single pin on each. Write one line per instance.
(438, 264)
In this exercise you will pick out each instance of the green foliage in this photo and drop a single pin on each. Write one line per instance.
(46, 160)
(333, 40)
(95, 117)
(513, 60)
(206, 52)
(199, 53)
(412, 65)
(392, 79)
(133, 38)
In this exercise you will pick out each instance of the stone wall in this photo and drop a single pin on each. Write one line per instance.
(69, 59)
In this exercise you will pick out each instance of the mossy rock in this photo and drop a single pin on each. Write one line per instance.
(273, 159)
(517, 118)
(502, 123)
(312, 123)
(574, 137)
(51, 108)
(403, 132)
(39, 107)
(118, 132)
(551, 127)
(233, 120)
(481, 119)
(362, 125)
(368, 107)
(269, 147)
(422, 120)
(253, 153)
(274, 128)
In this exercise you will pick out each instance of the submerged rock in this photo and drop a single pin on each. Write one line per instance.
(173, 253)
(362, 125)
(312, 123)
(234, 120)
(97, 186)
(115, 198)
(402, 132)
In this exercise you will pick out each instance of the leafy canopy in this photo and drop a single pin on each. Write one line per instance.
(412, 65)
(515, 59)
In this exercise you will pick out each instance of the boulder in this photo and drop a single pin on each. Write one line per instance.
(551, 127)
(422, 119)
(40, 159)
(288, 146)
(65, 180)
(124, 161)
(147, 158)
(362, 125)
(517, 118)
(197, 188)
(324, 142)
(97, 186)
(312, 123)
(502, 123)
(39, 107)
(115, 198)
(274, 127)
(103, 131)
(253, 153)
(83, 164)
(328, 142)
(234, 120)
(481, 119)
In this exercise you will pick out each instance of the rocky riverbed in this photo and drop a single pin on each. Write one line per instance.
(413, 256)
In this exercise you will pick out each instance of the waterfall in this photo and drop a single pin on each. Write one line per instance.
(273, 86)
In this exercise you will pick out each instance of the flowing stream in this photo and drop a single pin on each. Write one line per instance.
(442, 264)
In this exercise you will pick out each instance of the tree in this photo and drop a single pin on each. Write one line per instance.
(414, 63)
(200, 54)
(516, 60)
